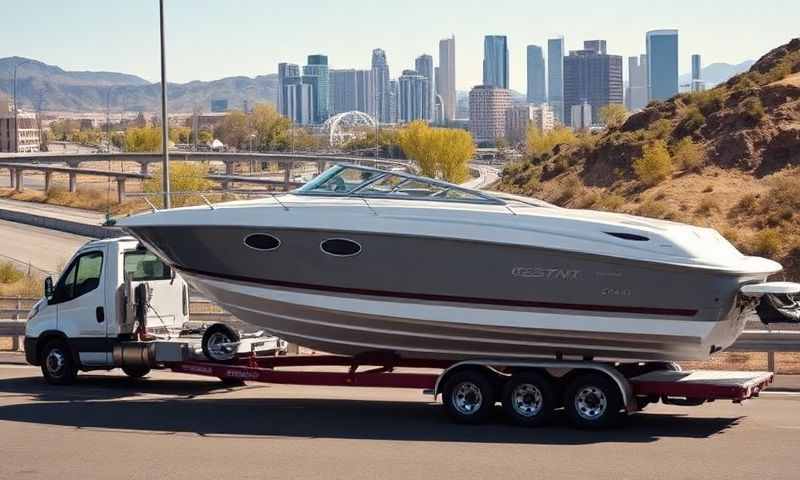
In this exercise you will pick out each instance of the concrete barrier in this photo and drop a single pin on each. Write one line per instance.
(68, 226)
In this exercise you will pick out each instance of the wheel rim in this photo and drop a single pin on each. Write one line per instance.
(217, 348)
(527, 400)
(55, 362)
(591, 403)
(467, 398)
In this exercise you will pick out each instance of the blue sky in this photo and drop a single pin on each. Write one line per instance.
(209, 39)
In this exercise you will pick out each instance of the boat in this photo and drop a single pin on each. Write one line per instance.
(362, 260)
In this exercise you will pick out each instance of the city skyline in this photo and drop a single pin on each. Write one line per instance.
(196, 52)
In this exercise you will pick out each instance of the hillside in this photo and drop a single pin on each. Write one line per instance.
(61, 90)
(728, 158)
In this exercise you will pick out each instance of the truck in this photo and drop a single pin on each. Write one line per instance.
(117, 305)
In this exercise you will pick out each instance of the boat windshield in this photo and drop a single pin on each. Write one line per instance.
(342, 180)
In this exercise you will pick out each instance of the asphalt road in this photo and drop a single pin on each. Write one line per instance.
(44, 249)
(174, 426)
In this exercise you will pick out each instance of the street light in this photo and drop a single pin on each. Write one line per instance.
(16, 119)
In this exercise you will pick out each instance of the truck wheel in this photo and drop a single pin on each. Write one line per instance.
(529, 399)
(213, 343)
(136, 372)
(593, 401)
(58, 366)
(468, 397)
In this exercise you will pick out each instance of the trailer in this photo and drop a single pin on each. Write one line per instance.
(117, 306)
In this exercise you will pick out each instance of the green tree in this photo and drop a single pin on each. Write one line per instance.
(655, 164)
(613, 115)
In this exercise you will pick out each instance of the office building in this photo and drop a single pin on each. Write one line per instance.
(393, 101)
(298, 98)
(537, 87)
(424, 67)
(555, 76)
(438, 110)
(18, 132)
(698, 85)
(581, 116)
(662, 64)
(488, 105)
(318, 67)
(219, 105)
(413, 97)
(351, 90)
(636, 93)
(285, 71)
(597, 46)
(495, 61)
(521, 118)
(593, 77)
(380, 82)
(446, 77)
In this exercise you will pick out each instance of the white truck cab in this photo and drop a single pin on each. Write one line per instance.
(91, 312)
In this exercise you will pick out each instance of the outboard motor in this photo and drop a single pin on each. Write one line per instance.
(777, 308)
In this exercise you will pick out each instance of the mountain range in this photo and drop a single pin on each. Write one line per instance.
(52, 88)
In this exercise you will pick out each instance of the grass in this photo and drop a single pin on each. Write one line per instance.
(15, 282)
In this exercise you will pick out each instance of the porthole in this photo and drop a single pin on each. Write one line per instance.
(340, 247)
(629, 236)
(262, 242)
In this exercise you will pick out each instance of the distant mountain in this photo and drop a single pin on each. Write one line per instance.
(717, 73)
(60, 90)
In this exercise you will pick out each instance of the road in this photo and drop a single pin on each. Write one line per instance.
(487, 176)
(174, 426)
(46, 250)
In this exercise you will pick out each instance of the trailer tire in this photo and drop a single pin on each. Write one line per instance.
(214, 335)
(468, 396)
(57, 363)
(136, 372)
(529, 399)
(593, 401)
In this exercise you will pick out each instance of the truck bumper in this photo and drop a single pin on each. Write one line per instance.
(31, 355)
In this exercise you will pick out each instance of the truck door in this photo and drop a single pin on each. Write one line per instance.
(80, 299)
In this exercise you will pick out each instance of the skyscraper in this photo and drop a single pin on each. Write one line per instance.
(487, 112)
(394, 101)
(380, 82)
(555, 76)
(495, 61)
(592, 77)
(424, 67)
(285, 70)
(413, 97)
(698, 85)
(318, 67)
(662, 64)
(537, 88)
(446, 77)
(636, 94)
(298, 99)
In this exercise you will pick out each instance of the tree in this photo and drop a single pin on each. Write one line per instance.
(180, 134)
(439, 152)
(270, 127)
(655, 164)
(415, 140)
(204, 136)
(613, 115)
(234, 130)
(184, 177)
(688, 155)
(145, 139)
(541, 143)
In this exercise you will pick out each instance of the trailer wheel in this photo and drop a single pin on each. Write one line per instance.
(468, 396)
(593, 401)
(214, 339)
(58, 366)
(136, 372)
(529, 399)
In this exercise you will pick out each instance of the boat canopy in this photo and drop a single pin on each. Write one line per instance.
(358, 181)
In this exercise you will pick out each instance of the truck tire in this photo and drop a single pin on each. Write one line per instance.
(468, 396)
(215, 335)
(529, 399)
(593, 401)
(136, 372)
(58, 365)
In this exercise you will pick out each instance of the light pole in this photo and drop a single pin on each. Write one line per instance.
(16, 119)
(164, 117)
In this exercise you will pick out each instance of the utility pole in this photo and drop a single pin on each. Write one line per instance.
(164, 117)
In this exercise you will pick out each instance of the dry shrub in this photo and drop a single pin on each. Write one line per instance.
(610, 202)
(655, 164)
(707, 206)
(9, 273)
(569, 188)
(745, 206)
(766, 243)
(28, 286)
(653, 209)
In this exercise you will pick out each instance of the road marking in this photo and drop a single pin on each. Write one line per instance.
(781, 393)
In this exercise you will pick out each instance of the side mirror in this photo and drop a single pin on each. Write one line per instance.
(48, 287)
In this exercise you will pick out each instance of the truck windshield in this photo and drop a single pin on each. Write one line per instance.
(144, 266)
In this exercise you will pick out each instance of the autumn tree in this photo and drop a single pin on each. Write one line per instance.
(270, 127)
(234, 130)
(145, 139)
(613, 115)
(184, 178)
(655, 164)
(439, 152)
(540, 144)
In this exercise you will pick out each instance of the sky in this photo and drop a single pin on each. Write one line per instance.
(211, 39)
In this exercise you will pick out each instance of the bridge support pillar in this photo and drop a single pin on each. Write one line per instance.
(73, 182)
(120, 189)
(321, 164)
(226, 185)
(48, 180)
(145, 168)
(229, 168)
(11, 175)
(19, 174)
(73, 163)
(287, 176)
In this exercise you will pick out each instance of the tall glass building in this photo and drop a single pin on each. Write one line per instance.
(495, 61)
(537, 88)
(318, 67)
(555, 76)
(662, 64)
